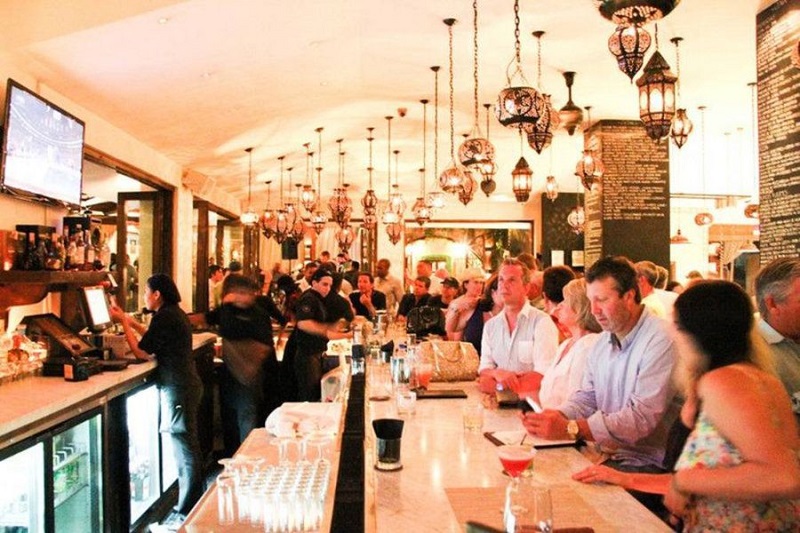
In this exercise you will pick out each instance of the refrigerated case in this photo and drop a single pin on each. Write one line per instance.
(56, 483)
(150, 461)
(22, 494)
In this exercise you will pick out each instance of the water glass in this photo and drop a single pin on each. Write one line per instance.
(226, 498)
(473, 416)
(406, 401)
(535, 509)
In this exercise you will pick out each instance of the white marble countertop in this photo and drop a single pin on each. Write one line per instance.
(438, 454)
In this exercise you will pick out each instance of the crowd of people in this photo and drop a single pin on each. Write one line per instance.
(686, 397)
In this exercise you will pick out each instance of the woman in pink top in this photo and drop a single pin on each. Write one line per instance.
(564, 375)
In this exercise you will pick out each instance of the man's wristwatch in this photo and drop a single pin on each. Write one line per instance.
(573, 429)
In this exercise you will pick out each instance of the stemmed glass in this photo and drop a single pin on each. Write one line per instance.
(320, 441)
(282, 443)
(515, 460)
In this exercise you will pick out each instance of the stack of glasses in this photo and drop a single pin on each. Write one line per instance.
(285, 498)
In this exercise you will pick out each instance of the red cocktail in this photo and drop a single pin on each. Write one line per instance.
(515, 459)
(424, 373)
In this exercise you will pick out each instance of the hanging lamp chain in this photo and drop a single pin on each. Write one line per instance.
(249, 177)
(389, 156)
(436, 122)
(370, 138)
(475, 58)
(517, 46)
(452, 94)
(281, 182)
(539, 59)
(424, 143)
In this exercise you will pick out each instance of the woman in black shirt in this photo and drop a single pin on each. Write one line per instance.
(169, 338)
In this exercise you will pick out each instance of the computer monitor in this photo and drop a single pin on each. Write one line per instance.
(95, 308)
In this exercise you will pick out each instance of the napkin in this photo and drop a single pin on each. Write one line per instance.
(293, 419)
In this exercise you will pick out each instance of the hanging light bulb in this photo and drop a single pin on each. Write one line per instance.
(370, 200)
(704, 218)
(267, 221)
(451, 180)
(435, 198)
(476, 153)
(571, 116)
(590, 168)
(249, 217)
(521, 104)
(422, 213)
(681, 126)
(318, 218)
(308, 198)
(540, 134)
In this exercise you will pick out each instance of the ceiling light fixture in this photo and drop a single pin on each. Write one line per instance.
(577, 216)
(292, 214)
(345, 236)
(704, 218)
(521, 177)
(519, 104)
(370, 200)
(308, 198)
(298, 230)
(540, 135)
(318, 218)
(571, 116)
(451, 180)
(282, 224)
(396, 203)
(340, 204)
(628, 44)
(249, 217)
(626, 11)
(590, 168)
(657, 95)
(476, 153)
(488, 185)
(681, 126)
(422, 213)
(435, 198)
(388, 216)
(551, 185)
(267, 221)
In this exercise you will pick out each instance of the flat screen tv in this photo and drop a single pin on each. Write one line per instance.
(42, 149)
(95, 308)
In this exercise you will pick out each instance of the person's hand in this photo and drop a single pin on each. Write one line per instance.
(550, 424)
(507, 379)
(596, 473)
(117, 313)
(675, 500)
(336, 334)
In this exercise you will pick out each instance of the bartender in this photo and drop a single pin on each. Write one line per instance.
(169, 338)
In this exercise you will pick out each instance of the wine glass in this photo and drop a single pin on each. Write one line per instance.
(515, 460)
(282, 443)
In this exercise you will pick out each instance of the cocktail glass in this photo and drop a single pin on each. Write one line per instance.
(515, 460)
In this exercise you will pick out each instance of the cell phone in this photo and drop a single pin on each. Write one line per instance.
(531, 405)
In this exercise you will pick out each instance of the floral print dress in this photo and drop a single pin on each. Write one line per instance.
(707, 448)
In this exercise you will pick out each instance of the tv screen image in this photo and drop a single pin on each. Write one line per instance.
(42, 147)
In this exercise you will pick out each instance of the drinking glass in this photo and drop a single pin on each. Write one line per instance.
(282, 443)
(319, 442)
(534, 509)
(226, 501)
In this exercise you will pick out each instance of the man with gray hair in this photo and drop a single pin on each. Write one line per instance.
(647, 277)
(778, 298)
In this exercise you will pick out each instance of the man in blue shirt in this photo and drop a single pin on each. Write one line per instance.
(625, 403)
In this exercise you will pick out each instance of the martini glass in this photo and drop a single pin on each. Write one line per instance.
(515, 460)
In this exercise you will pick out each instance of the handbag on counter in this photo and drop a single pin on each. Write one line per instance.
(452, 361)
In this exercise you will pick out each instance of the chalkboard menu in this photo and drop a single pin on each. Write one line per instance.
(777, 34)
(629, 213)
(557, 235)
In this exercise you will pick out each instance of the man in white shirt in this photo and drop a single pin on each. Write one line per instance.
(388, 285)
(646, 277)
(778, 298)
(425, 268)
(518, 344)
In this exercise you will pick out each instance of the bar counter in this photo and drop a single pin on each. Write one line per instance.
(445, 466)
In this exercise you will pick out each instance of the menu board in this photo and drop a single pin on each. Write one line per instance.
(777, 34)
(557, 235)
(629, 213)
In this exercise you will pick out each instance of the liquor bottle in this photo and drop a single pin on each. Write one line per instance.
(53, 260)
(105, 252)
(80, 250)
(358, 350)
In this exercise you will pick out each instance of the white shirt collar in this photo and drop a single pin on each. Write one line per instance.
(769, 333)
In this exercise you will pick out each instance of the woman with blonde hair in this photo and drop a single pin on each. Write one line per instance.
(574, 314)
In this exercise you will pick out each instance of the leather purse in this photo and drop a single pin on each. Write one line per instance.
(452, 361)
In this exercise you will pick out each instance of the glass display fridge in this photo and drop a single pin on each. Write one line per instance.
(150, 459)
(55, 482)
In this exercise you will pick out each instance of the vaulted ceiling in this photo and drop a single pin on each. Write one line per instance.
(202, 80)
